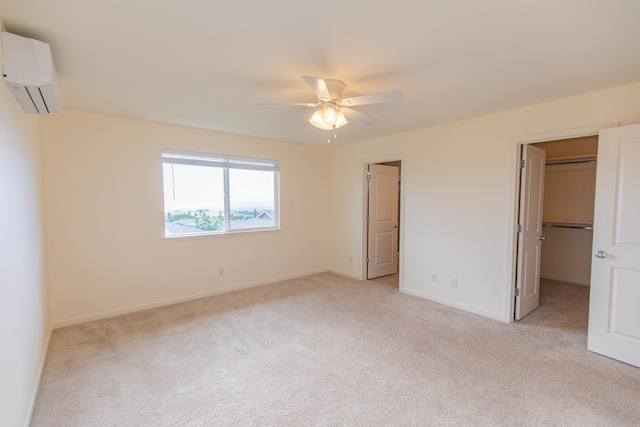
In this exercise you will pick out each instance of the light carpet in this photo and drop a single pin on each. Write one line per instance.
(325, 350)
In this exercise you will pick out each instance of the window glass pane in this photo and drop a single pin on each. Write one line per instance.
(251, 198)
(193, 199)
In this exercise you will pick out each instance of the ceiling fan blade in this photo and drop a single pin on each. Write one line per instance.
(374, 98)
(318, 86)
(357, 116)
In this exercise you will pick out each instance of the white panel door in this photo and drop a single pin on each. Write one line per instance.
(614, 305)
(383, 221)
(530, 236)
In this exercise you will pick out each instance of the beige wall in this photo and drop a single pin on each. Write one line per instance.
(24, 318)
(459, 189)
(566, 255)
(569, 192)
(104, 217)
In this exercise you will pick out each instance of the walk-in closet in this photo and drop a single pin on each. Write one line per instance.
(569, 194)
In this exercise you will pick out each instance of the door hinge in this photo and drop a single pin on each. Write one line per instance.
(367, 260)
(517, 292)
(368, 218)
(519, 228)
(368, 176)
(522, 163)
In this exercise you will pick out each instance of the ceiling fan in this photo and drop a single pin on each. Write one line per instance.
(332, 109)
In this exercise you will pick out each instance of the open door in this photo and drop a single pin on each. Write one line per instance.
(382, 221)
(529, 230)
(614, 316)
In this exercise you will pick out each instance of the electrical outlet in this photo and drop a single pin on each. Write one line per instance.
(454, 281)
(434, 277)
(221, 272)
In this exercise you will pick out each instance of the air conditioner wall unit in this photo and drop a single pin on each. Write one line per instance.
(28, 70)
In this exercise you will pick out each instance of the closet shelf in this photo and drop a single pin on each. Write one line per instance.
(571, 160)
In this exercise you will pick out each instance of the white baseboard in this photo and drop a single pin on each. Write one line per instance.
(345, 273)
(454, 304)
(36, 385)
(170, 301)
(566, 279)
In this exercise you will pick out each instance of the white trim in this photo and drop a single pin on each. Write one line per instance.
(36, 385)
(231, 232)
(227, 200)
(384, 159)
(218, 160)
(518, 142)
(176, 300)
(563, 134)
(276, 200)
(345, 273)
(365, 210)
(472, 309)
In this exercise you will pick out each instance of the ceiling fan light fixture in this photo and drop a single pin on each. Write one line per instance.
(341, 120)
(328, 117)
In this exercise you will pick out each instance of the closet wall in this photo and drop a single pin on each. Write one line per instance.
(569, 194)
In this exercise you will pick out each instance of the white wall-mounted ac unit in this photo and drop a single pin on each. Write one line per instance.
(28, 71)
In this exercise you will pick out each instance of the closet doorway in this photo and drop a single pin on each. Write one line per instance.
(567, 214)
(382, 221)
(560, 261)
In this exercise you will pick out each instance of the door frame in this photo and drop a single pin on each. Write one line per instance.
(519, 141)
(363, 217)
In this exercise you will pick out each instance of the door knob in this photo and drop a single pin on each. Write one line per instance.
(600, 254)
(543, 238)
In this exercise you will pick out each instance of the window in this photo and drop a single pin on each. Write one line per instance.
(208, 193)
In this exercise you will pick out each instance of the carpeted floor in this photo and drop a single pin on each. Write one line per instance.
(327, 350)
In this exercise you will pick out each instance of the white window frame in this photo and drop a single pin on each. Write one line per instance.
(224, 162)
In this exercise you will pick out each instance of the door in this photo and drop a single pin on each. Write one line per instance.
(529, 230)
(614, 316)
(382, 219)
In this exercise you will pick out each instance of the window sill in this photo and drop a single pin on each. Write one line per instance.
(221, 233)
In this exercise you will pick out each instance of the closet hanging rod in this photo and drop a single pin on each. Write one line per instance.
(577, 227)
(571, 160)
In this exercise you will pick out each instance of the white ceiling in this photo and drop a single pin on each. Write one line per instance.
(204, 63)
